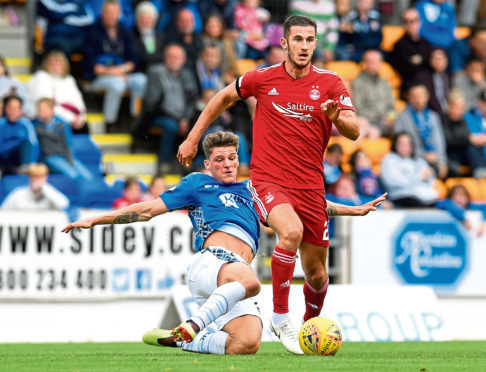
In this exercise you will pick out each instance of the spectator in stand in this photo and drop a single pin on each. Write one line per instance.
(112, 57)
(411, 53)
(343, 191)
(252, 43)
(406, 177)
(150, 43)
(157, 187)
(38, 196)
(225, 8)
(10, 86)
(458, 202)
(345, 45)
(471, 82)
(437, 81)
(185, 36)
(332, 164)
(54, 81)
(365, 29)
(476, 122)
(379, 107)
(275, 54)
(208, 67)
(132, 193)
(127, 20)
(366, 181)
(438, 22)
(324, 13)
(214, 33)
(55, 139)
(67, 22)
(169, 101)
(470, 47)
(18, 142)
(425, 128)
(461, 149)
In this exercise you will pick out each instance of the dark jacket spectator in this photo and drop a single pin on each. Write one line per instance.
(463, 50)
(411, 53)
(437, 81)
(471, 82)
(150, 42)
(126, 17)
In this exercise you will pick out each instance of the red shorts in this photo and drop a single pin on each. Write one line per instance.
(310, 206)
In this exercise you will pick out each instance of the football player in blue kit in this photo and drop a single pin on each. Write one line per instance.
(219, 275)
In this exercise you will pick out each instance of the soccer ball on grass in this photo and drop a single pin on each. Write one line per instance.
(320, 336)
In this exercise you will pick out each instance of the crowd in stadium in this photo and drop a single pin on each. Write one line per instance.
(419, 88)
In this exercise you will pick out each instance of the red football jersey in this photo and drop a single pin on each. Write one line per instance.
(290, 133)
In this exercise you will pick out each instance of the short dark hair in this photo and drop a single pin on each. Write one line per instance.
(461, 188)
(219, 139)
(130, 181)
(395, 139)
(298, 20)
(11, 97)
(335, 147)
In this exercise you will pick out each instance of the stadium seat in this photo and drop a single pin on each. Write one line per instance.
(440, 188)
(12, 181)
(348, 70)
(388, 73)
(376, 149)
(67, 186)
(347, 145)
(400, 105)
(391, 34)
(462, 32)
(88, 153)
(244, 65)
(472, 185)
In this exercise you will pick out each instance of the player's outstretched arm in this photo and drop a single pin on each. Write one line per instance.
(336, 209)
(219, 103)
(344, 120)
(133, 213)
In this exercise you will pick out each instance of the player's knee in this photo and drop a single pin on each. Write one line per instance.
(246, 344)
(252, 286)
(292, 236)
(316, 275)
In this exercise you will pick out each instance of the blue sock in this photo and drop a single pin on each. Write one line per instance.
(219, 303)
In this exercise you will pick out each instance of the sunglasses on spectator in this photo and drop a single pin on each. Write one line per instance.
(410, 20)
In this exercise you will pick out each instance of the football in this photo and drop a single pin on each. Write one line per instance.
(320, 336)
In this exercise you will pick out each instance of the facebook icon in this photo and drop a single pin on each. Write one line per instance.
(143, 279)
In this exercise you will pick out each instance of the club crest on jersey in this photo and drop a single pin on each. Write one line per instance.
(345, 100)
(228, 200)
(268, 198)
(314, 94)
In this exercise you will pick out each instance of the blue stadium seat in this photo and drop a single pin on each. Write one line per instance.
(67, 186)
(12, 181)
(88, 153)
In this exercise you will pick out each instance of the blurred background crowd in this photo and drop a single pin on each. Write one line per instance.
(142, 71)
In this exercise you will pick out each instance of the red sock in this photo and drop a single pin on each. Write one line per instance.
(314, 299)
(283, 263)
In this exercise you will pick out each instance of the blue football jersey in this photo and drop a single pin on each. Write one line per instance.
(212, 204)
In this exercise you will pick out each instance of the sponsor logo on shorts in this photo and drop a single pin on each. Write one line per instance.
(268, 198)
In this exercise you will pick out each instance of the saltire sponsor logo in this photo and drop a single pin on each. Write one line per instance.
(292, 114)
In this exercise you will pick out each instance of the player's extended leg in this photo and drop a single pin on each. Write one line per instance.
(236, 281)
(286, 223)
(241, 335)
(314, 258)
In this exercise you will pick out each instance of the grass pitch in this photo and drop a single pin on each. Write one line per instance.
(353, 356)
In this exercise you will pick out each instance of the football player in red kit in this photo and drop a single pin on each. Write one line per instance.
(297, 103)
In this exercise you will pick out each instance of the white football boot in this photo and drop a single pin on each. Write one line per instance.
(288, 335)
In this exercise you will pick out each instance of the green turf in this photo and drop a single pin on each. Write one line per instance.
(353, 356)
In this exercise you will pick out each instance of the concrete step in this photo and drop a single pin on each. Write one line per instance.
(96, 122)
(118, 143)
(18, 65)
(130, 164)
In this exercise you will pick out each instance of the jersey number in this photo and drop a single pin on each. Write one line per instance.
(325, 236)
